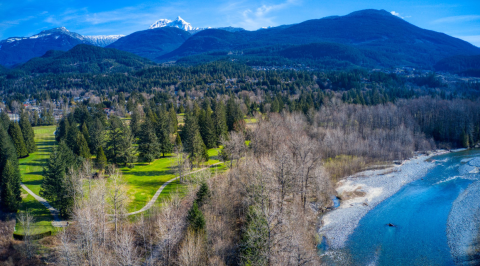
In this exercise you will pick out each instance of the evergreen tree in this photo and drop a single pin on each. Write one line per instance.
(163, 132)
(28, 133)
(195, 218)
(203, 194)
(189, 131)
(198, 152)
(96, 131)
(4, 119)
(17, 137)
(101, 159)
(72, 138)
(234, 114)
(10, 188)
(178, 142)
(82, 148)
(173, 120)
(127, 151)
(86, 133)
(135, 122)
(120, 148)
(148, 145)
(220, 122)
(54, 187)
(62, 130)
(207, 128)
(9, 173)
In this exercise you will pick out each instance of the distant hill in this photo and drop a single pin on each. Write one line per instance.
(85, 58)
(461, 64)
(374, 30)
(3, 69)
(318, 55)
(152, 43)
(18, 50)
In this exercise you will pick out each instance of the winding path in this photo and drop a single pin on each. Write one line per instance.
(57, 222)
(160, 189)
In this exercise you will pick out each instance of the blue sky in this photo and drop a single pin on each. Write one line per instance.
(97, 17)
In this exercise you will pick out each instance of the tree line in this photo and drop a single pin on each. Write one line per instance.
(17, 140)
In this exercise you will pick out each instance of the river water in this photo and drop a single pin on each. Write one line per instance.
(419, 211)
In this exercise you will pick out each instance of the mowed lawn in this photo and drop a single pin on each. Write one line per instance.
(144, 179)
(31, 169)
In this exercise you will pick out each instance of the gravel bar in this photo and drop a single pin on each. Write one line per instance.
(369, 188)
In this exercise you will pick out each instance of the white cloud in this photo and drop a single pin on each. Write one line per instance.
(119, 21)
(261, 16)
(396, 14)
(456, 19)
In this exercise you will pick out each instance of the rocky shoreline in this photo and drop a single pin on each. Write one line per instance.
(463, 223)
(361, 192)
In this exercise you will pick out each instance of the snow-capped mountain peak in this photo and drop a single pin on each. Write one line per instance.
(182, 24)
(102, 40)
(177, 23)
(160, 23)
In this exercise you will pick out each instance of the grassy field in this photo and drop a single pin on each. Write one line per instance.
(31, 169)
(142, 181)
(145, 179)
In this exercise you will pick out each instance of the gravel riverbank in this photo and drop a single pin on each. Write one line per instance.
(363, 191)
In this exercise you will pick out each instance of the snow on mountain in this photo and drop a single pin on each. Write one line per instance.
(97, 40)
(182, 24)
(102, 40)
(178, 23)
(56, 32)
(160, 23)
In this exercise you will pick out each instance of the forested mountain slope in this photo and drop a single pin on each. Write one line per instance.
(375, 30)
(461, 64)
(85, 58)
(152, 43)
(19, 50)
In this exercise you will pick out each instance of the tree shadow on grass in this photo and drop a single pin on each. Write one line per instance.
(151, 173)
(40, 213)
(33, 183)
(39, 163)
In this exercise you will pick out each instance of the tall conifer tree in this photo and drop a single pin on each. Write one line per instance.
(28, 133)
(9, 173)
(96, 132)
(54, 186)
(207, 128)
(4, 119)
(101, 159)
(220, 121)
(148, 145)
(17, 137)
(10, 188)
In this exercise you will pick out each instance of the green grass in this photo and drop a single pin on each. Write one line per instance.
(43, 218)
(142, 181)
(31, 169)
(251, 120)
(145, 179)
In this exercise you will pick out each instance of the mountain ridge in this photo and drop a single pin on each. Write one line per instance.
(377, 30)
